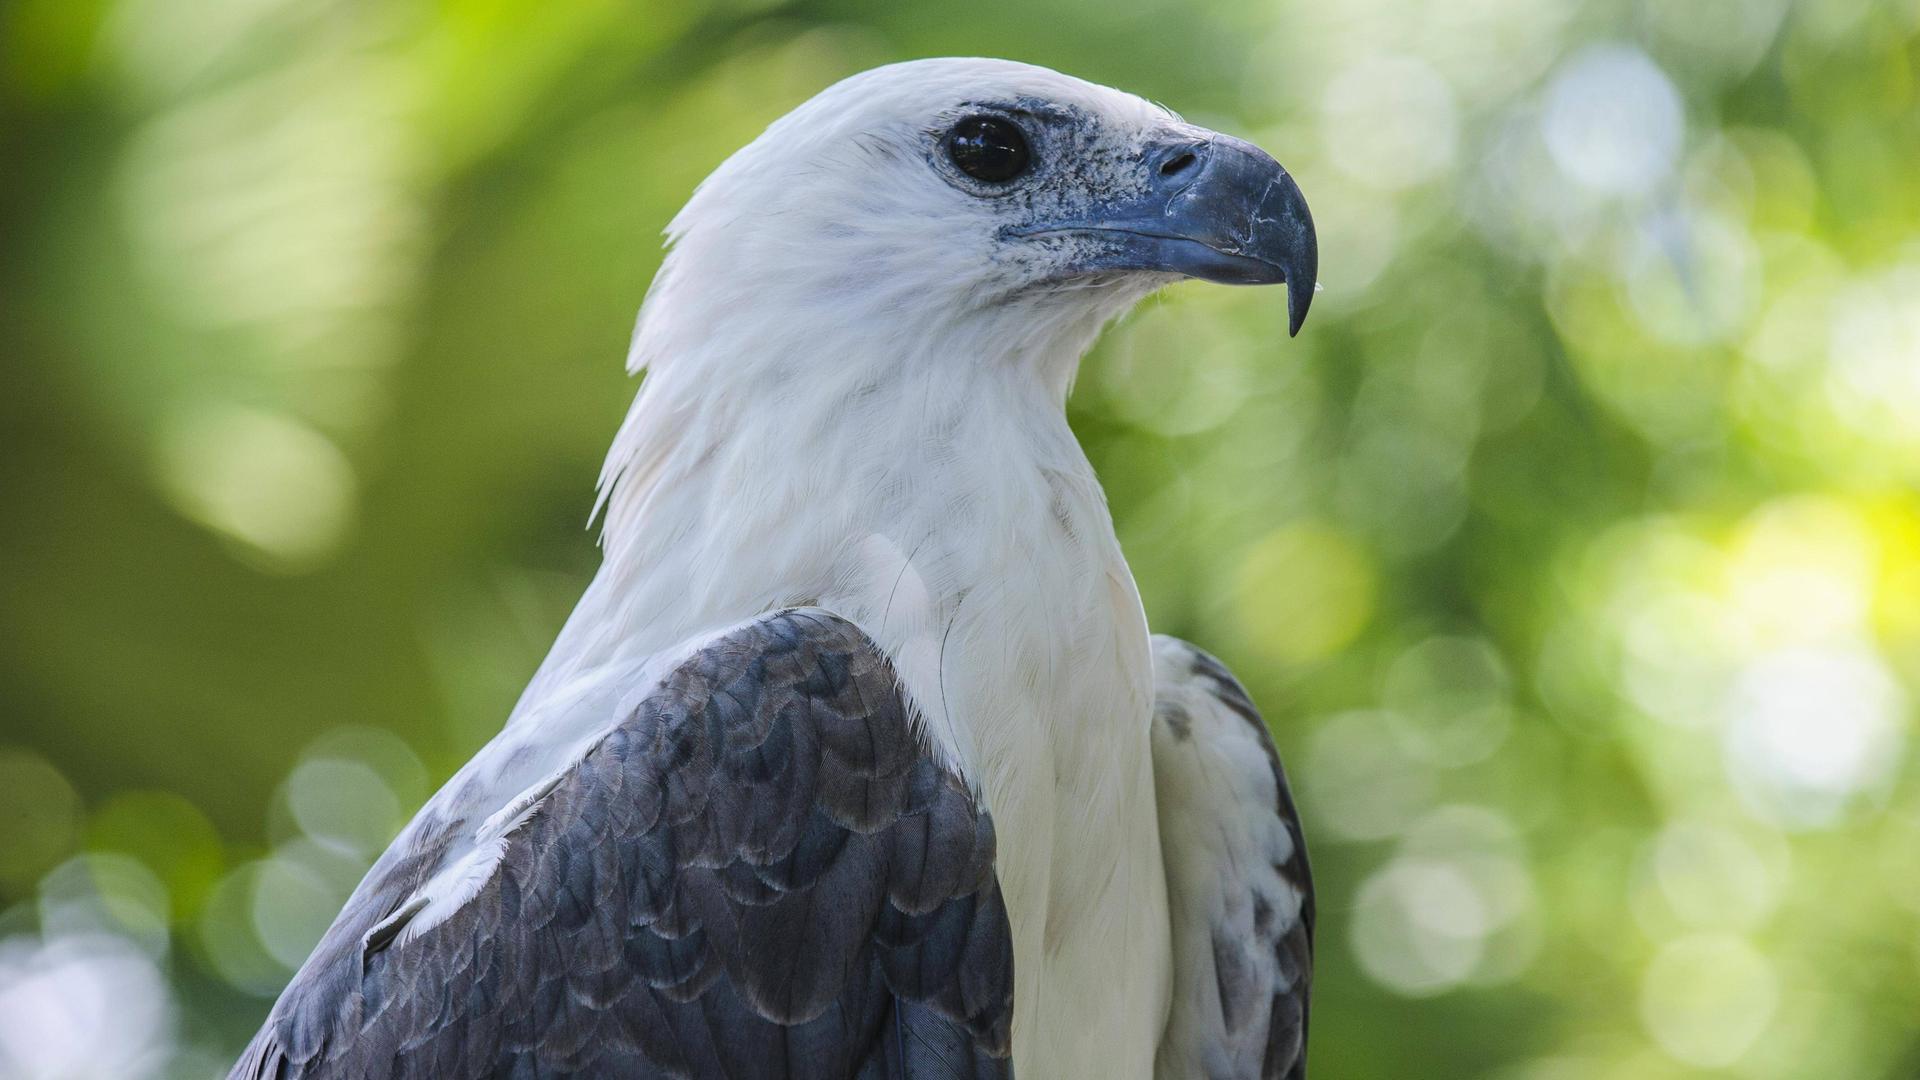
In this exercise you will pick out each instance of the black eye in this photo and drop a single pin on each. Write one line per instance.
(989, 148)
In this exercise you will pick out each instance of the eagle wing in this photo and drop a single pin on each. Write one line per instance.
(1239, 891)
(760, 872)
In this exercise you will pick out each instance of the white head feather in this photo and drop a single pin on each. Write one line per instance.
(839, 243)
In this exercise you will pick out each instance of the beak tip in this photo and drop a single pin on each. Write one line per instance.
(1298, 300)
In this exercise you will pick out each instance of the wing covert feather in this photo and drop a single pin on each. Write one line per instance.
(760, 873)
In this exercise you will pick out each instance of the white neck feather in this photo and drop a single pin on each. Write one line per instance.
(895, 469)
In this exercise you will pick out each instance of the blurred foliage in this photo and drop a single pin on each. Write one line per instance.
(1574, 549)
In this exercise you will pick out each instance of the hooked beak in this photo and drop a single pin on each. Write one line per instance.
(1216, 208)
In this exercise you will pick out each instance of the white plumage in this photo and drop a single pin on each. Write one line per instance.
(855, 379)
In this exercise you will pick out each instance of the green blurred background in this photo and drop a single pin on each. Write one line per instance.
(1573, 550)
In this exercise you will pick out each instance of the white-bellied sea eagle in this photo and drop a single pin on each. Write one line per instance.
(856, 760)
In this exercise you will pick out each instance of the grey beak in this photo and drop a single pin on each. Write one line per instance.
(1216, 208)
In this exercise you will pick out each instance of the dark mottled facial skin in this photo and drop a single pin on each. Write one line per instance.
(1165, 197)
(1074, 158)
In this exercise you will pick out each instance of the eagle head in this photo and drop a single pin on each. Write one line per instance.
(940, 195)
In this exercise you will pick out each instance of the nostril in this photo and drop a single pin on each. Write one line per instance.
(1179, 163)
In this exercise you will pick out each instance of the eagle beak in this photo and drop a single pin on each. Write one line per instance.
(1215, 208)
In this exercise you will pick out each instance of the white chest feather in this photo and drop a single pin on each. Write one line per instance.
(1031, 665)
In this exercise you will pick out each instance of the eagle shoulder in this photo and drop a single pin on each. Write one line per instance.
(761, 871)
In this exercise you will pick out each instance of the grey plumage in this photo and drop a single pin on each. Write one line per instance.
(1290, 942)
(1240, 887)
(760, 872)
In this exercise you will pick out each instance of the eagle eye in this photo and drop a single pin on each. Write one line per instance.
(989, 148)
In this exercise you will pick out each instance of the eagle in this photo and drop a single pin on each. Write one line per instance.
(857, 759)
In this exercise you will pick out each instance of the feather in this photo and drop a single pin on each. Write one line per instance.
(1239, 889)
(689, 852)
(596, 930)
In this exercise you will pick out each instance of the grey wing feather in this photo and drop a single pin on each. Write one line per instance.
(1239, 889)
(760, 873)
